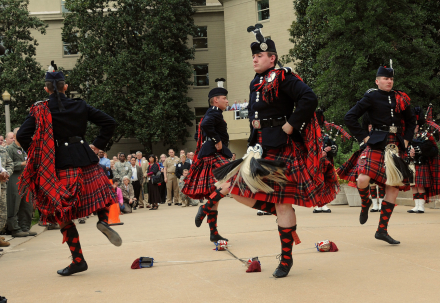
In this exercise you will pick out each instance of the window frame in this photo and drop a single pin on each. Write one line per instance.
(262, 10)
(64, 50)
(195, 75)
(200, 38)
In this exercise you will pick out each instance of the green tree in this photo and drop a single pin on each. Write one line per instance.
(351, 39)
(304, 36)
(134, 64)
(20, 74)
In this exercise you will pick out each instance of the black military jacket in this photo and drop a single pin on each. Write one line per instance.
(71, 123)
(214, 129)
(380, 106)
(291, 92)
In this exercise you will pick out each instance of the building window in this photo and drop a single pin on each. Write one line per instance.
(200, 39)
(200, 112)
(63, 7)
(201, 76)
(263, 10)
(70, 49)
(198, 2)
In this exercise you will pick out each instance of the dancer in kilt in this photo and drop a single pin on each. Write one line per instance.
(393, 126)
(62, 173)
(424, 160)
(212, 152)
(282, 166)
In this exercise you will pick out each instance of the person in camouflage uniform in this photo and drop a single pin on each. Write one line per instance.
(184, 199)
(19, 210)
(7, 168)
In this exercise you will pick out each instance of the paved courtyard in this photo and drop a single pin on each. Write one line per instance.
(364, 269)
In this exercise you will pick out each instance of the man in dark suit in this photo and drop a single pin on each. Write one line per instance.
(62, 172)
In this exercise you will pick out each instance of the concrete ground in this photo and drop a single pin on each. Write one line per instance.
(364, 269)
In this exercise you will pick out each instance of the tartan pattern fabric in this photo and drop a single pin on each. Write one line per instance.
(369, 162)
(60, 195)
(200, 181)
(423, 176)
(71, 237)
(402, 101)
(433, 191)
(309, 184)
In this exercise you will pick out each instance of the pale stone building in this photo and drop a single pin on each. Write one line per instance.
(222, 51)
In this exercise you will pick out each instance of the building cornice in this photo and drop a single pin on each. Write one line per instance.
(208, 9)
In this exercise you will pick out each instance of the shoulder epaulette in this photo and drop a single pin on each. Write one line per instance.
(288, 70)
(371, 90)
(38, 102)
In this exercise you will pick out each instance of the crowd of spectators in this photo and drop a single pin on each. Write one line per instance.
(138, 181)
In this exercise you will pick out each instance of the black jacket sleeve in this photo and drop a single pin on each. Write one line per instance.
(305, 98)
(208, 126)
(351, 118)
(26, 132)
(410, 123)
(107, 123)
(155, 168)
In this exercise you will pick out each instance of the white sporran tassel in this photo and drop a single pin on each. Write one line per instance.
(394, 176)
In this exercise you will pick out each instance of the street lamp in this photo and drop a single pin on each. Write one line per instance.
(7, 98)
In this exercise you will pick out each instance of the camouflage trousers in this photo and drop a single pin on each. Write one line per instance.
(3, 209)
(187, 201)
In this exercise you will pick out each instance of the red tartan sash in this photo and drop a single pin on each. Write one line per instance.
(199, 141)
(402, 101)
(39, 176)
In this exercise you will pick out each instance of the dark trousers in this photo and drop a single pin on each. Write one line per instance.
(19, 215)
(163, 191)
(137, 189)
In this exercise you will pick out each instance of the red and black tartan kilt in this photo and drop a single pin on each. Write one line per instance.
(300, 189)
(370, 162)
(423, 176)
(200, 182)
(95, 192)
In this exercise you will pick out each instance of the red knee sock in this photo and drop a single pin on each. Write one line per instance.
(385, 215)
(381, 192)
(212, 221)
(365, 197)
(288, 236)
(265, 206)
(103, 214)
(373, 192)
(71, 236)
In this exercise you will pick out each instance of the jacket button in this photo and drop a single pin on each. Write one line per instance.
(82, 142)
(66, 144)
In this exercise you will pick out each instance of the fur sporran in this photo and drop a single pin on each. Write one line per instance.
(395, 168)
(252, 169)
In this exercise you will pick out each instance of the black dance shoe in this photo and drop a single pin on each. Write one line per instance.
(110, 233)
(282, 270)
(363, 217)
(216, 238)
(200, 216)
(385, 237)
(73, 269)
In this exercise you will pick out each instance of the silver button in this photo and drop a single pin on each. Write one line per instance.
(82, 142)
(66, 144)
(258, 93)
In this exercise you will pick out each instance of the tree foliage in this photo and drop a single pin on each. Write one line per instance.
(133, 64)
(20, 74)
(341, 44)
